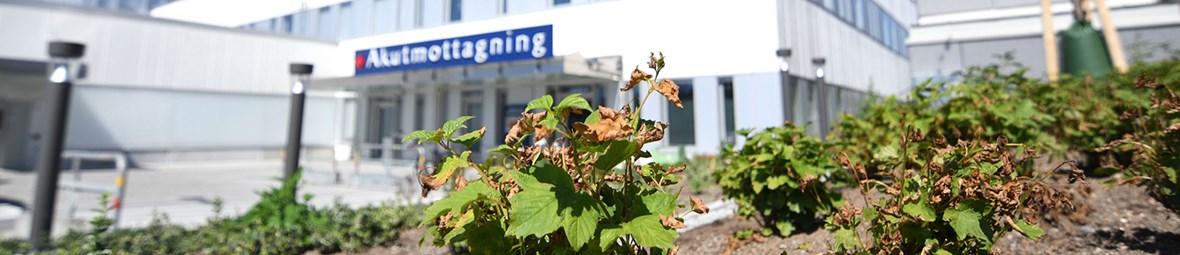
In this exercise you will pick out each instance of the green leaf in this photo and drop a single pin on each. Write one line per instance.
(965, 219)
(469, 139)
(489, 238)
(550, 121)
(450, 127)
(451, 164)
(573, 101)
(420, 135)
(616, 152)
(461, 224)
(593, 118)
(580, 219)
(660, 203)
(543, 103)
(846, 239)
(776, 181)
(609, 235)
(784, 227)
(457, 201)
(534, 210)
(504, 149)
(1029, 230)
(649, 232)
(920, 210)
(886, 153)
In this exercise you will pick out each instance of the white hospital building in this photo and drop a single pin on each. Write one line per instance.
(163, 90)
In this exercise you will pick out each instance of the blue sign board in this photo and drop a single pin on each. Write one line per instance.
(508, 45)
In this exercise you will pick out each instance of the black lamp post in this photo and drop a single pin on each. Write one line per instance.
(300, 74)
(784, 67)
(822, 91)
(61, 54)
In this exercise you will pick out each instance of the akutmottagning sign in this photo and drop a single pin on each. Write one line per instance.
(500, 46)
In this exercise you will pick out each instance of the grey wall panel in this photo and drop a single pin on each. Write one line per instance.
(939, 60)
(1150, 44)
(145, 119)
(853, 59)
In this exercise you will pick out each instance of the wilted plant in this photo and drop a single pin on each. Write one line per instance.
(568, 197)
(1155, 142)
(948, 198)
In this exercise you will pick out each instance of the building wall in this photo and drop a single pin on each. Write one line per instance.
(132, 50)
(160, 87)
(940, 50)
(853, 59)
(739, 45)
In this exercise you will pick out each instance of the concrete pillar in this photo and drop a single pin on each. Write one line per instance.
(758, 101)
(707, 96)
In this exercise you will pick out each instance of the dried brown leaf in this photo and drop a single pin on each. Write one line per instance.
(612, 125)
(671, 91)
(698, 206)
(671, 222)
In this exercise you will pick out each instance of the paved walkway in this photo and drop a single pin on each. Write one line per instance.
(185, 192)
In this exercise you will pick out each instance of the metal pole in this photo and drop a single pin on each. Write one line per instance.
(822, 90)
(49, 159)
(299, 73)
(784, 56)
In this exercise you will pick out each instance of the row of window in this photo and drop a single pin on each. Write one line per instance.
(142, 7)
(344, 20)
(871, 19)
(806, 101)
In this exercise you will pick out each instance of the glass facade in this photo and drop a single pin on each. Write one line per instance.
(339, 21)
(142, 7)
(870, 19)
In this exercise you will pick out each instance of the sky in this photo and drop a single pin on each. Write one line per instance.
(233, 13)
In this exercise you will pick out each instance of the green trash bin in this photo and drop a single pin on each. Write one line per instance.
(1084, 51)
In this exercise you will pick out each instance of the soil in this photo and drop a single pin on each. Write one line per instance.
(1117, 220)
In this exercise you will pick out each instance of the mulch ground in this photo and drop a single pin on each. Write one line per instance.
(1118, 220)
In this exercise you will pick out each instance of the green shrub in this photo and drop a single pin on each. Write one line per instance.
(700, 173)
(277, 224)
(781, 177)
(567, 197)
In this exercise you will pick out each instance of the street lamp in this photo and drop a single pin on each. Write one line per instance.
(822, 91)
(61, 56)
(784, 67)
(300, 74)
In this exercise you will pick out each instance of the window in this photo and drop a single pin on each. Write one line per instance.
(433, 13)
(560, 2)
(346, 18)
(682, 123)
(419, 112)
(859, 11)
(407, 15)
(288, 22)
(525, 6)
(472, 102)
(384, 16)
(456, 10)
(727, 101)
(324, 26)
(476, 10)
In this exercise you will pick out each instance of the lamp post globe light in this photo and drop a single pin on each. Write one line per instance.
(61, 56)
(300, 74)
(822, 93)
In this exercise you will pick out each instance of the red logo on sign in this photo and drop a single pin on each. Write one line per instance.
(360, 61)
